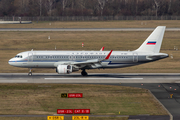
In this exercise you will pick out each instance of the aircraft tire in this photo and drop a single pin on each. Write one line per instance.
(30, 74)
(84, 73)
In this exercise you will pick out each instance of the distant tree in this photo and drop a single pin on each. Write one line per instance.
(157, 6)
(33, 8)
(49, 6)
(40, 4)
(101, 5)
(89, 7)
(7, 8)
(22, 7)
(64, 3)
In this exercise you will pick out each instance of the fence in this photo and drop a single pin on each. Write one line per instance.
(89, 18)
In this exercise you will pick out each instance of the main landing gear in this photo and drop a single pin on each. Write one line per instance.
(84, 73)
(30, 73)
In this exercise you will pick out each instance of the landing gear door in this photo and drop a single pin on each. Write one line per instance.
(135, 57)
(30, 57)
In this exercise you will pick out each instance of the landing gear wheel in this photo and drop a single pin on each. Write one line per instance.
(30, 73)
(84, 73)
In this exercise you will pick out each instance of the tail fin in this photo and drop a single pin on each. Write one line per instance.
(154, 41)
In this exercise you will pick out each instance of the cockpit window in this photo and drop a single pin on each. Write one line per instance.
(18, 56)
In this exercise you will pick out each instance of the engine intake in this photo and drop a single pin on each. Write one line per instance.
(64, 69)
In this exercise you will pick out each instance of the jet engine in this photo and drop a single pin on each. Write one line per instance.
(64, 69)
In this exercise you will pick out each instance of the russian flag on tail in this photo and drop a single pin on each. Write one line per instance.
(151, 43)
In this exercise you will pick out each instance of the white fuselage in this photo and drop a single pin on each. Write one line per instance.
(51, 59)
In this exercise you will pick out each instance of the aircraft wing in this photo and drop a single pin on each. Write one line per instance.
(86, 62)
(89, 62)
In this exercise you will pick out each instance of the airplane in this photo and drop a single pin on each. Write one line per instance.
(66, 62)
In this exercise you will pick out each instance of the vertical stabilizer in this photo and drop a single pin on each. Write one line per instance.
(154, 41)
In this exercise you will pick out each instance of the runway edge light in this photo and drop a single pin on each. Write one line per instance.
(171, 95)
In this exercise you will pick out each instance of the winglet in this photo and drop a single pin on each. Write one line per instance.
(102, 49)
(107, 57)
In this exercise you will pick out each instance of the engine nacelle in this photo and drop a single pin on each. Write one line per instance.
(64, 69)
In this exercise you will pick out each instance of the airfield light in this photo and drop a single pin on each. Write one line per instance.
(171, 95)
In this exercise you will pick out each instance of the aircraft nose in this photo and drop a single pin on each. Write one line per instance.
(10, 62)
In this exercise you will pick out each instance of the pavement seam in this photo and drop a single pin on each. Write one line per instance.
(171, 117)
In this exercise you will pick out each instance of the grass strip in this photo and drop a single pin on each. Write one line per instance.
(100, 99)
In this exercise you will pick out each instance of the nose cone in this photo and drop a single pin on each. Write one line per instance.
(12, 62)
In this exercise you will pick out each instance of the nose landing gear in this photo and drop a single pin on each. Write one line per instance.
(30, 73)
(84, 73)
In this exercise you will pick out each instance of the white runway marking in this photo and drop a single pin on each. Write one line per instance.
(92, 78)
(170, 78)
(14, 81)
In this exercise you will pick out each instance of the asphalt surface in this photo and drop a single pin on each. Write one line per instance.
(93, 78)
(162, 92)
(85, 29)
(161, 86)
(138, 117)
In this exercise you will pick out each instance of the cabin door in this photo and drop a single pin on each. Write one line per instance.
(135, 57)
(30, 57)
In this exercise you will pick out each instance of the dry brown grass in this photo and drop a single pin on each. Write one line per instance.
(98, 24)
(66, 118)
(101, 99)
(15, 42)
